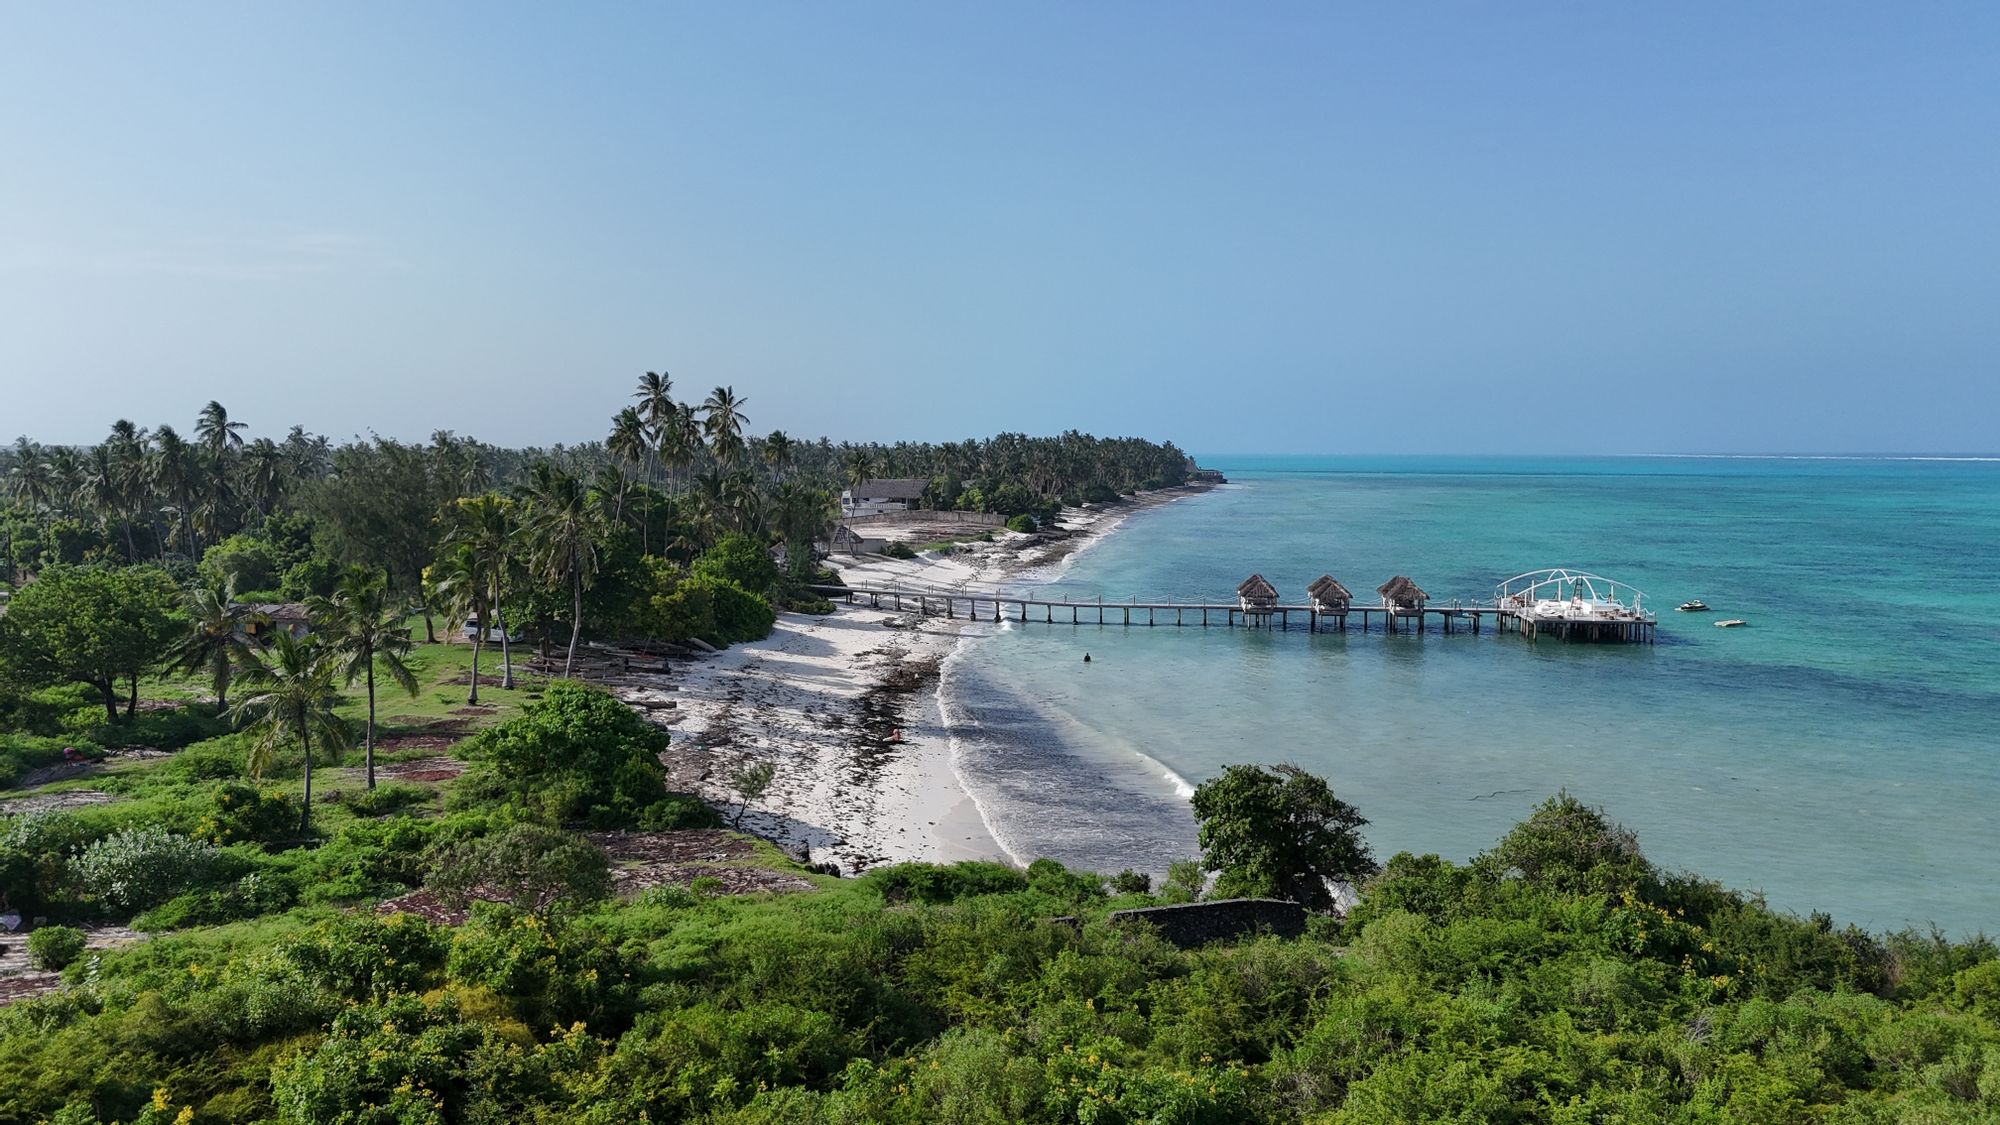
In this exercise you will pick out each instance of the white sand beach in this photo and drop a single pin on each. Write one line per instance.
(845, 709)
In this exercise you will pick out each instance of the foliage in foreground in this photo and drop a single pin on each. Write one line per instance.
(1558, 977)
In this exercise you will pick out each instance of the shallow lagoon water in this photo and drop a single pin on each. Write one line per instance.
(1839, 753)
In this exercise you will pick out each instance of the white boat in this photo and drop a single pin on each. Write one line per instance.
(1694, 607)
(1731, 623)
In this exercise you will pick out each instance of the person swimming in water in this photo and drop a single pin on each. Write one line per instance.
(1086, 658)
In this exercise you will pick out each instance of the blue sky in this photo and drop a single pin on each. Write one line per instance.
(1557, 228)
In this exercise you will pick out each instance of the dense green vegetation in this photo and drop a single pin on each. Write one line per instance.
(1558, 977)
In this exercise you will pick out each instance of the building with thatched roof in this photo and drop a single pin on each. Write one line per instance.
(1256, 595)
(1402, 596)
(1328, 595)
(880, 496)
(261, 620)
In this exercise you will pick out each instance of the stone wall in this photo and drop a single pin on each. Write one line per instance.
(1197, 923)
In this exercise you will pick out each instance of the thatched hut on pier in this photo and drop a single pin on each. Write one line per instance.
(1328, 595)
(1256, 595)
(1402, 597)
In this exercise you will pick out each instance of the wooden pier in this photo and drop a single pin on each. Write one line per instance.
(1567, 619)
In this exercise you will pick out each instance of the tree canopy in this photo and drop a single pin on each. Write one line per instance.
(1279, 832)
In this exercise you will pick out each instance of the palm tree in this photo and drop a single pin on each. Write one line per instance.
(218, 637)
(629, 445)
(486, 525)
(778, 453)
(128, 446)
(265, 471)
(860, 466)
(802, 514)
(459, 582)
(216, 433)
(103, 492)
(292, 695)
(656, 408)
(174, 473)
(679, 440)
(30, 480)
(565, 530)
(364, 628)
(724, 420)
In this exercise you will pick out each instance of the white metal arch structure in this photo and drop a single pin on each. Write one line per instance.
(1559, 584)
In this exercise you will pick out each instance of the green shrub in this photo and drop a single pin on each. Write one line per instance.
(528, 865)
(54, 947)
(1023, 522)
(739, 614)
(141, 867)
(1130, 882)
(385, 798)
(245, 560)
(20, 754)
(930, 882)
(242, 811)
(160, 730)
(677, 811)
(576, 754)
(251, 896)
(897, 549)
(738, 559)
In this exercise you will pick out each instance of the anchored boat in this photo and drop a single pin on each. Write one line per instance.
(1694, 607)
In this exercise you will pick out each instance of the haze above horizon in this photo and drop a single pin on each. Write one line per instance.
(1706, 229)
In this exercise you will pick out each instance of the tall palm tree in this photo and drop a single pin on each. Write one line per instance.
(218, 637)
(364, 628)
(656, 408)
(486, 525)
(859, 466)
(678, 437)
(629, 445)
(103, 492)
(266, 473)
(724, 420)
(128, 447)
(778, 449)
(292, 696)
(218, 435)
(565, 531)
(459, 582)
(30, 480)
(175, 473)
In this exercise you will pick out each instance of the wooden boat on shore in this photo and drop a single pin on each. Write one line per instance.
(1693, 607)
(1731, 623)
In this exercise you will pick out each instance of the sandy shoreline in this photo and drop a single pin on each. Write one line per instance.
(845, 709)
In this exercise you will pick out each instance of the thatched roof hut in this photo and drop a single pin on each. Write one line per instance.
(1256, 593)
(1401, 593)
(1327, 593)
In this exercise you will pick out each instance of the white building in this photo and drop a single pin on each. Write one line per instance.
(874, 497)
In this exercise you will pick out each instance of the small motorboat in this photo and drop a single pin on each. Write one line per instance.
(1731, 623)
(1694, 607)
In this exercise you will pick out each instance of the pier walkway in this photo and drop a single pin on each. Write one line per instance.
(1588, 608)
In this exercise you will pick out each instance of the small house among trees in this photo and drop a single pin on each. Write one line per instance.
(263, 619)
(875, 497)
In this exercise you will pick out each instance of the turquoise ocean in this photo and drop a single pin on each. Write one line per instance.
(1840, 753)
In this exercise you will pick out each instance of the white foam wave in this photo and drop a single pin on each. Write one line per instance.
(955, 719)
